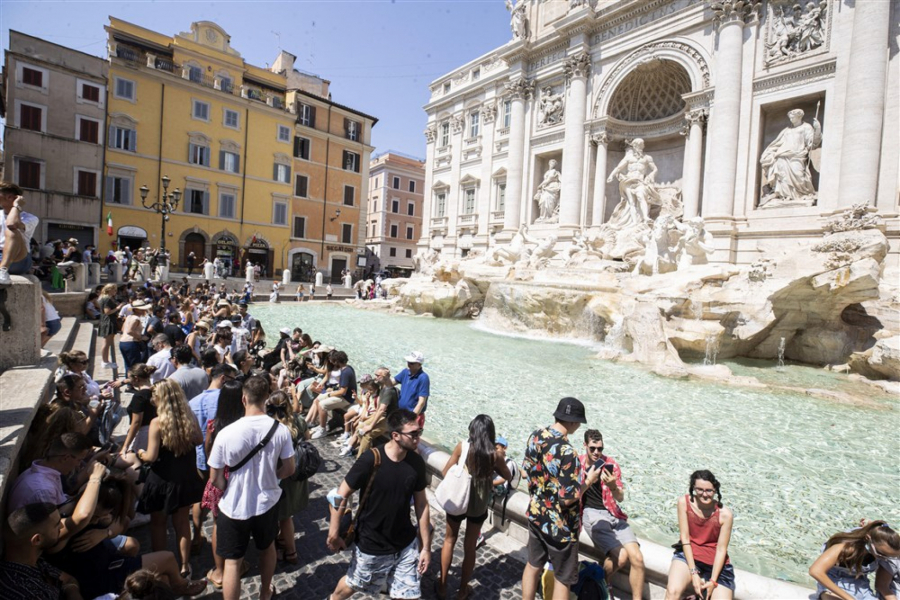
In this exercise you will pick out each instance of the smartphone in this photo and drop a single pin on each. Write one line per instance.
(607, 467)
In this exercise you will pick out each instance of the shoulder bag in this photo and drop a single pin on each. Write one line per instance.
(348, 521)
(262, 444)
(453, 492)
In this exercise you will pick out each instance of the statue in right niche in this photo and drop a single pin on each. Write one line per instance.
(785, 164)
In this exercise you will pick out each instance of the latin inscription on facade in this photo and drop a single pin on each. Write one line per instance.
(543, 61)
(665, 10)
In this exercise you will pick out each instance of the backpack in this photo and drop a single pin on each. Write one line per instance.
(307, 461)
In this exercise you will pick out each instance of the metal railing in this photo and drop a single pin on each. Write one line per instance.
(130, 54)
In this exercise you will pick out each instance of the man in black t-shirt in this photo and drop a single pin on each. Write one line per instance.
(387, 548)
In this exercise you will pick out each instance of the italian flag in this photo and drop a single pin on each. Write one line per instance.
(109, 227)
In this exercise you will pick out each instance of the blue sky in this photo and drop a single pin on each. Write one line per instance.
(379, 55)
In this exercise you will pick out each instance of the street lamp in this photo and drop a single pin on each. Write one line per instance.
(165, 206)
(337, 213)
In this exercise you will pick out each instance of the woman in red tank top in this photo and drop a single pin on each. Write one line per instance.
(705, 528)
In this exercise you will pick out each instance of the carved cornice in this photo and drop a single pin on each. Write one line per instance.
(457, 122)
(698, 116)
(578, 65)
(430, 133)
(489, 112)
(601, 138)
(549, 138)
(520, 88)
(546, 57)
(735, 11)
(651, 129)
(791, 79)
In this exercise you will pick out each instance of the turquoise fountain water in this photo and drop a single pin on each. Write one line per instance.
(794, 469)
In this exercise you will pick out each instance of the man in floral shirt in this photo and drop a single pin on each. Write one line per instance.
(552, 468)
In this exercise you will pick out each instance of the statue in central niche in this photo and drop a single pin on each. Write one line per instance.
(547, 195)
(637, 187)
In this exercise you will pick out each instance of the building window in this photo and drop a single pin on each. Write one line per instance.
(299, 227)
(395, 206)
(394, 231)
(445, 134)
(346, 233)
(226, 205)
(301, 147)
(374, 206)
(408, 253)
(351, 161)
(200, 110)
(412, 186)
(198, 155)
(476, 74)
(349, 195)
(29, 173)
(501, 196)
(440, 205)
(373, 229)
(122, 138)
(31, 117)
(301, 187)
(409, 232)
(507, 113)
(232, 119)
(392, 252)
(118, 190)
(281, 173)
(195, 74)
(124, 89)
(469, 206)
(284, 133)
(229, 161)
(86, 182)
(226, 84)
(411, 209)
(279, 213)
(90, 93)
(474, 124)
(306, 115)
(446, 87)
(32, 77)
(395, 183)
(351, 129)
(88, 130)
(197, 202)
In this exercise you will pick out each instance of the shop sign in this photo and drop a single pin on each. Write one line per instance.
(340, 248)
(132, 231)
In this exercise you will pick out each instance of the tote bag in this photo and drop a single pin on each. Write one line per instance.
(453, 492)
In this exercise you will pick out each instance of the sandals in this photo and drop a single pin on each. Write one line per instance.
(187, 571)
(192, 588)
(464, 593)
(291, 557)
(245, 568)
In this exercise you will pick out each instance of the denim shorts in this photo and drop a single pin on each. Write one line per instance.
(370, 573)
(726, 577)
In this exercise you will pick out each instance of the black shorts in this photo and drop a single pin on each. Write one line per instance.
(469, 520)
(233, 536)
(563, 558)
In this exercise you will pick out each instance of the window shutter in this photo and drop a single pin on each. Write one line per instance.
(111, 136)
(206, 203)
(275, 172)
(109, 189)
(237, 163)
(312, 117)
(346, 127)
(221, 160)
(296, 146)
(357, 162)
(125, 191)
(132, 143)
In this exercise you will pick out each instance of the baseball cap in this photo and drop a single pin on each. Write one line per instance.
(415, 357)
(502, 441)
(571, 410)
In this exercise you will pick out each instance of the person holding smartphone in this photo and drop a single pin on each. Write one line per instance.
(602, 518)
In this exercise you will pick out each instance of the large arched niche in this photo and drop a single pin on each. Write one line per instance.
(670, 54)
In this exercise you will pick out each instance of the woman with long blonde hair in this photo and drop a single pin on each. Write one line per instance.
(109, 307)
(173, 484)
(294, 494)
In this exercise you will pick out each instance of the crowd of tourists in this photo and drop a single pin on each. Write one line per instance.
(218, 430)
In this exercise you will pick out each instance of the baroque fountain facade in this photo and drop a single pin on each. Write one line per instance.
(677, 177)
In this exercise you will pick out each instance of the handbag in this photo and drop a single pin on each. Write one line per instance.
(453, 492)
(347, 529)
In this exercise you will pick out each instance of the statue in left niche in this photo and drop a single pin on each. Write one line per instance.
(547, 195)
(518, 21)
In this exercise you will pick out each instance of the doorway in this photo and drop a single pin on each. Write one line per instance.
(337, 266)
(194, 242)
(302, 267)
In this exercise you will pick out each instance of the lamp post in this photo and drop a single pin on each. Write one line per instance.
(166, 205)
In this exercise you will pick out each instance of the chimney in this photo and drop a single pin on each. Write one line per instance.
(284, 63)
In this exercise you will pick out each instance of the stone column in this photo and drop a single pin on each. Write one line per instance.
(599, 205)
(577, 68)
(864, 108)
(427, 193)
(724, 124)
(693, 158)
(520, 90)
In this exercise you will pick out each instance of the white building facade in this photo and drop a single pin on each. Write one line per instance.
(707, 85)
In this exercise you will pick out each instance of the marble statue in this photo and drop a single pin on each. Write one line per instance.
(518, 22)
(542, 253)
(785, 163)
(695, 245)
(516, 250)
(550, 111)
(636, 173)
(547, 195)
(795, 31)
(659, 252)
(576, 3)
(581, 249)
(425, 260)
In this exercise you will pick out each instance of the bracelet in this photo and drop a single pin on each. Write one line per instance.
(695, 571)
(95, 480)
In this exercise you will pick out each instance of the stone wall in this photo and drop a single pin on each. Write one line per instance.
(20, 332)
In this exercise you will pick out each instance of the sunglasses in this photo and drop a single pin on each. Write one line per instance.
(593, 449)
(413, 434)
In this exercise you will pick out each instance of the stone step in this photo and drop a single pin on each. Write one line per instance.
(62, 341)
(84, 340)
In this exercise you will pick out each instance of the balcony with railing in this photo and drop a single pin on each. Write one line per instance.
(163, 64)
(129, 54)
(467, 219)
(497, 216)
(439, 223)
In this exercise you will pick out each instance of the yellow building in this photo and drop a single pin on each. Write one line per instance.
(189, 108)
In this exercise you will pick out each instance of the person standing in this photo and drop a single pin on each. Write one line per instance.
(191, 257)
(387, 549)
(193, 380)
(415, 386)
(16, 231)
(551, 466)
(329, 292)
(604, 521)
(249, 505)
(161, 358)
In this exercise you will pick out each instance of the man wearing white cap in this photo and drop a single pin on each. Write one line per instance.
(415, 386)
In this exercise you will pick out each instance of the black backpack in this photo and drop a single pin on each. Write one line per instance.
(307, 461)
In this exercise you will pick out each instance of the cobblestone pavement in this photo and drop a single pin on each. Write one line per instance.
(497, 574)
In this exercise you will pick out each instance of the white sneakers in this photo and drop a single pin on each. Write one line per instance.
(344, 436)
(346, 451)
(110, 365)
(4, 277)
(318, 433)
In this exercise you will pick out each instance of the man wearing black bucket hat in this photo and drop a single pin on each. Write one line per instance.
(552, 468)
